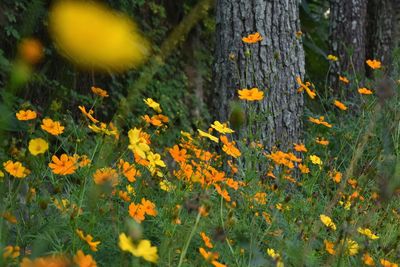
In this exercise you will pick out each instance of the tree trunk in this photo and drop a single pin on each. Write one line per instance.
(272, 65)
(347, 38)
(381, 30)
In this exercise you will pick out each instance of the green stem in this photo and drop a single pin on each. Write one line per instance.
(183, 254)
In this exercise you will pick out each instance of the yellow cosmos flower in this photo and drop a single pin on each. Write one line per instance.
(316, 160)
(207, 135)
(16, 169)
(38, 146)
(93, 36)
(367, 232)
(327, 221)
(221, 127)
(332, 58)
(137, 143)
(155, 160)
(351, 247)
(142, 249)
(153, 104)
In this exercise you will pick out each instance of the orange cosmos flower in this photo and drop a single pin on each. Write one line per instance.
(253, 94)
(223, 192)
(340, 105)
(300, 147)
(53, 260)
(364, 91)
(206, 240)
(128, 170)
(320, 120)
(343, 79)
(149, 207)
(322, 141)
(83, 260)
(52, 127)
(136, 212)
(30, 50)
(25, 115)
(229, 147)
(386, 263)
(252, 38)
(16, 169)
(304, 169)
(368, 260)
(208, 256)
(374, 64)
(330, 247)
(100, 92)
(64, 165)
(336, 177)
(88, 239)
(88, 114)
(305, 87)
(104, 175)
(179, 155)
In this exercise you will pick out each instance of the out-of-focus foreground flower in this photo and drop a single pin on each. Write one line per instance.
(95, 37)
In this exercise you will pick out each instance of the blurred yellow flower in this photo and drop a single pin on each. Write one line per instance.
(94, 36)
(221, 127)
(137, 142)
(327, 221)
(332, 58)
(143, 249)
(153, 104)
(38, 146)
(207, 135)
(351, 247)
(367, 232)
(315, 160)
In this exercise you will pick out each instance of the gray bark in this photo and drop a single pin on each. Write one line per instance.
(347, 37)
(273, 64)
(381, 30)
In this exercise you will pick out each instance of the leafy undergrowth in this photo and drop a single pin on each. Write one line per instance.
(124, 198)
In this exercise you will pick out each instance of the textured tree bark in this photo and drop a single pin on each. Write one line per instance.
(272, 65)
(347, 38)
(381, 30)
